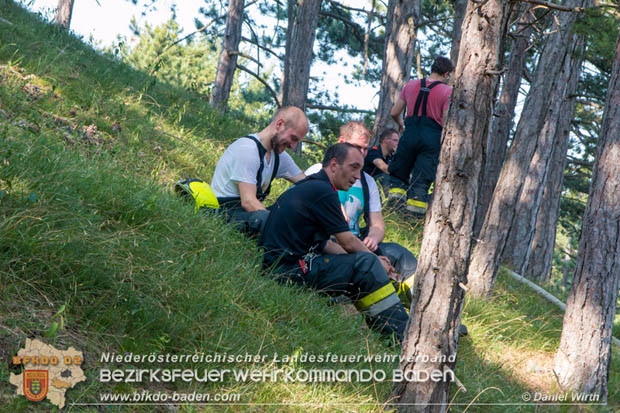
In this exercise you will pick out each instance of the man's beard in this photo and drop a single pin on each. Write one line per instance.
(275, 144)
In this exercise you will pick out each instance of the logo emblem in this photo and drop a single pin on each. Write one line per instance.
(36, 384)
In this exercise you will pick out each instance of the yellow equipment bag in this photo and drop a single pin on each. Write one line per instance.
(199, 190)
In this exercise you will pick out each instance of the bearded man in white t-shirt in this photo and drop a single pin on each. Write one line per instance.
(243, 177)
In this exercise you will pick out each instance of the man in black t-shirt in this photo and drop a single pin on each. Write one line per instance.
(379, 156)
(298, 247)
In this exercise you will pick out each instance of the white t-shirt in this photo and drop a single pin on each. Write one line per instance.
(353, 199)
(240, 163)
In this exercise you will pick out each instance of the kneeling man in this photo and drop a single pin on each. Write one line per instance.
(297, 243)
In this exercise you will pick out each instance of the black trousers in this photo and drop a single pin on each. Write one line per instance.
(249, 223)
(360, 277)
(405, 264)
(417, 156)
(400, 257)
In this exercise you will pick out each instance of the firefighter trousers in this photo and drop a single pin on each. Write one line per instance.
(414, 165)
(405, 264)
(360, 277)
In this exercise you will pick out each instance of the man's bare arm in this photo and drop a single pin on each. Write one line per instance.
(296, 178)
(350, 242)
(397, 110)
(249, 202)
(333, 248)
(380, 163)
(376, 231)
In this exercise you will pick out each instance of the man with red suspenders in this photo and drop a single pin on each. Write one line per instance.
(427, 102)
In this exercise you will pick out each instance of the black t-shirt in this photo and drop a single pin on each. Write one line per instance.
(375, 153)
(304, 217)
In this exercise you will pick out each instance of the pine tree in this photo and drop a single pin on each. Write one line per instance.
(442, 270)
(583, 358)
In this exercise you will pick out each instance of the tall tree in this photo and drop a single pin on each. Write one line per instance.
(583, 358)
(553, 137)
(400, 37)
(301, 31)
(497, 141)
(228, 55)
(539, 257)
(540, 253)
(442, 270)
(527, 158)
(64, 11)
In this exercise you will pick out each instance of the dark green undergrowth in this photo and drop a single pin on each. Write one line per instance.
(91, 234)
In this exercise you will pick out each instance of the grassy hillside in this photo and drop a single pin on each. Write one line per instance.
(94, 241)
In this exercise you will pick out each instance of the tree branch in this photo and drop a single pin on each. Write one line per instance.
(599, 4)
(555, 6)
(257, 77)
(579, 162)
(337, 109)
(180, 40)
(250, 58)
(356, 30)
(260, 46)
(586, 102)
(342, 6)
(320, 145)
(549, 297)
(423, 23)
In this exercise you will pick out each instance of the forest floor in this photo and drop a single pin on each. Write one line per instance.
(98, 253)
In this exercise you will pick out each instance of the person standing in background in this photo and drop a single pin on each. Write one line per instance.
(415, 163)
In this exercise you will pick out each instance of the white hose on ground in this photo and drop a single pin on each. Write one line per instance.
(547, 295)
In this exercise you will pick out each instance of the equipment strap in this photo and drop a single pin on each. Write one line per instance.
(422, 99)
(260, 195)
(366, 194)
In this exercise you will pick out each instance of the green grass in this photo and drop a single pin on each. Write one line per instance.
(89, 221)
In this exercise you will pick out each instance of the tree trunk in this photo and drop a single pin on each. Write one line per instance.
(64, 12)
(438, 296)
(400, 36)
(552, 138)
(228, 56)
(583, 359)
(540, 254)
(459, 13)
(301, 32)
(522, 168)
(497, 141)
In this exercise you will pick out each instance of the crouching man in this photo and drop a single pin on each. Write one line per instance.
(362, 199)
(297, 244)
(243, 175)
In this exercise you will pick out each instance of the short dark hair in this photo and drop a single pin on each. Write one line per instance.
(338, 151)
(387, 133)
(442, 65)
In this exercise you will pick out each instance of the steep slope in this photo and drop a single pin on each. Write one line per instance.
(98, 253)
